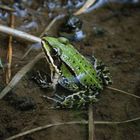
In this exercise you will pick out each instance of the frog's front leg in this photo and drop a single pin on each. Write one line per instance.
(41, 79)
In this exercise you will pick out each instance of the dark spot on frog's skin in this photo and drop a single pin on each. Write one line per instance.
(76, 97)
(73, 62)
(78, 68)
(97, 77)
(85, 80)
(91, 80)
(107, 78)
(86, 66)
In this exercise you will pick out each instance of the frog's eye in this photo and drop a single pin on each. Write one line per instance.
(54, 52)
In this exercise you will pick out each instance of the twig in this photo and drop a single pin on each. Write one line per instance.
(118, 122)
(68, 123)
(44, 32)
(91, 127)
(19, 75)
(51, 24)
(5, 7)
(45, 127)
(19, 34)
(9, 52)
(124, 92)
(85, 7)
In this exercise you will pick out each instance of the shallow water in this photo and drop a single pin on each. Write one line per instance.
(116, 43)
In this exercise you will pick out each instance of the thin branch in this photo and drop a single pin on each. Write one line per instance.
(91, 127)
(44, 127)
(85, 7)
(44, 32)
(124, 92)
(19, 34)
(10, 50)
(5, 7)
(19, 75)
(51, 24)
(69, 123)
(117, 122)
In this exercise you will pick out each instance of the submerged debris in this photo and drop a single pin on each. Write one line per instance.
(98, 31)
(23, 103)
(72, 28)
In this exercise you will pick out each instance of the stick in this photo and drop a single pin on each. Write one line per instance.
(91, 127)
(9, 52)
(44, 32)
(117, 122)
(121, 91)
(19, 34)
(44, 127)
(68, 123)
(19, 75)
(51, 24)
(87, 4)
(5, 7)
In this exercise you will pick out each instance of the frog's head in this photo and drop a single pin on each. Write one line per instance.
(54, 46)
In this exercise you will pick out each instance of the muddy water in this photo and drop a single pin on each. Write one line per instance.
(117, 45)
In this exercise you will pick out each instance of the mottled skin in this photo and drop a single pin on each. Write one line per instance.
(73, 72)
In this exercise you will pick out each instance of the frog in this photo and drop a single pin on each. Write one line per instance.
(84, 79)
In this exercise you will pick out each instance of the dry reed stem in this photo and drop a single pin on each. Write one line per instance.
(19, 34)
(68, 123)
(6, 8)
(10, 50)
(87, 4)
(124, 92)
(91, 126)
(20, 74)
(48, 27)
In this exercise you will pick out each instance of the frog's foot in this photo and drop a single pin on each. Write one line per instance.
(41, 79)
(102, 71)
(52, 99)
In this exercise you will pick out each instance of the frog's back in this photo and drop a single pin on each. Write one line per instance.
(81, 67)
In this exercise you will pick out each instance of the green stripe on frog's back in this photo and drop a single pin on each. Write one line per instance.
(80, 66)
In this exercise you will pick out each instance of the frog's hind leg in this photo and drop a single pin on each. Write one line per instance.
(102, 71)
(78, 99)
(73, 100)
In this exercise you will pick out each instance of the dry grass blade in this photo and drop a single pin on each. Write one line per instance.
(9, 52)
(124, 92)
(51, 24)
(19, 75)
(91, 127)
(85, 7)
(68, 123)
(5, 7)
(19, 34)
(117, 122)
(44, 32)
(44, 127)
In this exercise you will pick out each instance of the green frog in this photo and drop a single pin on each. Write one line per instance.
(74, 72)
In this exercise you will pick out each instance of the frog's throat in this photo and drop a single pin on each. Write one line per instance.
(49, 58)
